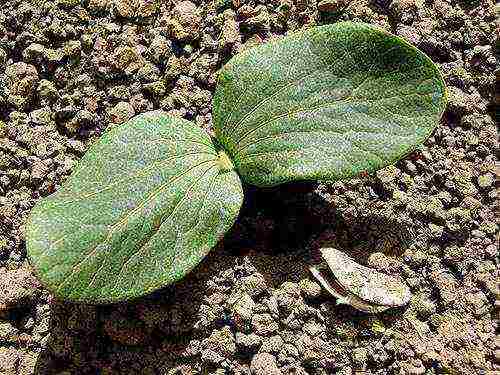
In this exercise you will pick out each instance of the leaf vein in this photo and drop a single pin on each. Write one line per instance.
(271, 96)
(118, 278)
(123, 220)
(321, 106)
(142, 172)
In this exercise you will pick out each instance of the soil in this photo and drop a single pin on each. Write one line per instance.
(69, 69)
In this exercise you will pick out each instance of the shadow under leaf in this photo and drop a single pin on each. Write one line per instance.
(158, 332)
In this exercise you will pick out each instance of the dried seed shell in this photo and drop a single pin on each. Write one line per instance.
(361, 287)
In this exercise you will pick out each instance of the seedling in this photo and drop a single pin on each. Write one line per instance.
(150, 199)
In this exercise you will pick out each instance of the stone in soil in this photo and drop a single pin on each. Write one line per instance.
(264, 364)
(184, 22)
(264, 324)
(17, 287)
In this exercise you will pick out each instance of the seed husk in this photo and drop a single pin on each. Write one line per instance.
(359, 286)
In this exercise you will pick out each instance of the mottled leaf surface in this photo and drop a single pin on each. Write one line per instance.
(143, 207)
(326, 104)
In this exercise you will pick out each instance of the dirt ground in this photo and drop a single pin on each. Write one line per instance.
(71, 68)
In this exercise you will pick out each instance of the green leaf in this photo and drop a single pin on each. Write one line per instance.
(326, 104)
(143, 207)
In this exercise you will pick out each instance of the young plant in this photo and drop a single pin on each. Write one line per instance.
(150, 199)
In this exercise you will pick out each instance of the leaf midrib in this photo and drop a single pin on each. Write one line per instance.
(237, 150)
(140, 173)
(123, 220)
(294, 82)
(150, 235)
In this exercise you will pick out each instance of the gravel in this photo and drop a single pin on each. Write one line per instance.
(264, 364)
(18, 287)
(70, 69)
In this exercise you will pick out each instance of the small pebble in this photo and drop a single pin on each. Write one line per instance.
(264, 324)
(248, 343)
(254, 284)
(264, 364)
(17, 287)
(310, 289)
(184, 22)
(272, 344)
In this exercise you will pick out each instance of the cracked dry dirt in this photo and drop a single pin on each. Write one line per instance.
(71, 68)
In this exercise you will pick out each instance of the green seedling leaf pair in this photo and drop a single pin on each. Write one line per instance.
(150, 199)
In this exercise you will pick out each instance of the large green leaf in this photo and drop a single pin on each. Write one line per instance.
(143, 207)
(326, 103)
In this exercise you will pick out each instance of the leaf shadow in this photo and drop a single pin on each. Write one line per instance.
(276, 220)
(277, 233)
(282, 228)
(145, 335)
(319, 223)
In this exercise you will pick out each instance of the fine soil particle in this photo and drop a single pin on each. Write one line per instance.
(69, 69)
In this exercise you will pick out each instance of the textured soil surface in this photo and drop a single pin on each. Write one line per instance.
(71, 68)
